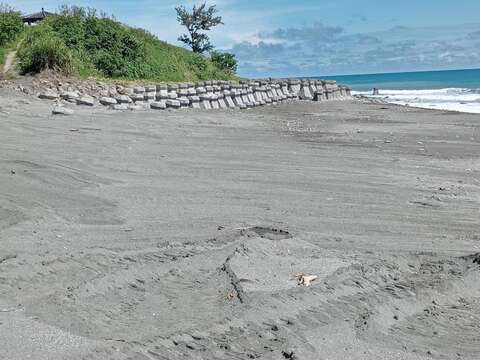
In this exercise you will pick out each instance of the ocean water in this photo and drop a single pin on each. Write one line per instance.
(457, 90)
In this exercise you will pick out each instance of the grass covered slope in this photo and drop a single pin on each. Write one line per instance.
(3, 55)
(80, 42)
(168, 62)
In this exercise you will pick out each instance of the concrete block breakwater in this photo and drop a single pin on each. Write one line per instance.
(202, 95)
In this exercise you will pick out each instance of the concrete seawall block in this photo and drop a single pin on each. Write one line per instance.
(182, 92)
(214, 101)
(222, 103)
(229, 101)
(158, 105)
(150, 96)
(237, 100)
(205, 104)
(202, 95)
(136, 97)
(184, 102)
(194, 101)
(305, 94)
(171, 103)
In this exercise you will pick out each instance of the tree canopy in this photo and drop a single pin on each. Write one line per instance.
(199, 20)
(11, 24)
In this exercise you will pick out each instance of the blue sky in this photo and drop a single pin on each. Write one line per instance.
(319, 37)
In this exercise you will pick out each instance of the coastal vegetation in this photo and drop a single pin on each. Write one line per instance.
(11, 26)
(197, 22)
(87, 43)
(3, 55)
(224, 60)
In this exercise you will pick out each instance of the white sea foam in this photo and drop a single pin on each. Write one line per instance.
(454, 99)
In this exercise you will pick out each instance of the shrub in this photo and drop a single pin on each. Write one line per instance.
(44, 50)
(11, 24)
(112, 48)
(89, 43)
(225, 61)
(70, 28)
(198, 62)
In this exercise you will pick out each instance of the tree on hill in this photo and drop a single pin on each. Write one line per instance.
(202, 18)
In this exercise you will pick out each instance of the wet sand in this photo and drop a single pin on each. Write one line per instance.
(177, 235)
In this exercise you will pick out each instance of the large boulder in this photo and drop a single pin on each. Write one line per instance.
(86, 100)
(107, 101)
(124, 99)
(134, 107)
(60, 110)
(48, 95)
(119, 107)
(70, 96)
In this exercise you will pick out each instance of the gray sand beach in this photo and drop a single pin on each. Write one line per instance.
(178, 235)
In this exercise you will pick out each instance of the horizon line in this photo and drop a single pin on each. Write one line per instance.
(395, 72)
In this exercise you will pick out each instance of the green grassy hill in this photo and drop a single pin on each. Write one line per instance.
(81, 43)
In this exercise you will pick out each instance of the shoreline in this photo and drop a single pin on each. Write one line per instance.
(458, 100)
(373, 100)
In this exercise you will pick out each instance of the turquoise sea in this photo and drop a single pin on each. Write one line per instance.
(412, 80)
(457, 90)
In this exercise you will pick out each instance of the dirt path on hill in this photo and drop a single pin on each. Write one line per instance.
(9, 61)
(177, 235)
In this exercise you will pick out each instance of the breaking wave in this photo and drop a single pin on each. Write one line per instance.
(453, 99)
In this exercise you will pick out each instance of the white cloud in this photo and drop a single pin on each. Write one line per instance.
(323, 50)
